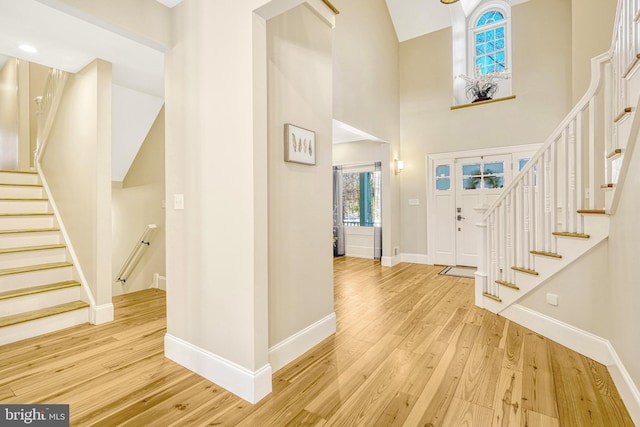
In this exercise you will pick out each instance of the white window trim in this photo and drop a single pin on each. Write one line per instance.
(504, 86)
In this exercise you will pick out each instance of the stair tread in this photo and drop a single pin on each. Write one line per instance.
(493, 297)
(18, 184)
(17, 171)
(508, 285)
(569, 234)
(27, 214)
(44, 312)
(547, 254)
(23, 199)
(38, 289)
(525, 270)
(36, 267)
(31, 248)
(592, 211)
(29, 230)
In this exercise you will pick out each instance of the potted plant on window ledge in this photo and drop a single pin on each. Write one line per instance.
(482, 86)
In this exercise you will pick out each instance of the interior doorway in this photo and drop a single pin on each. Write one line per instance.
(460, 188)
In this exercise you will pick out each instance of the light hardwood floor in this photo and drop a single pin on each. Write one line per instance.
(411, 349)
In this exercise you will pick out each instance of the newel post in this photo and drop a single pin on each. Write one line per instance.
(482, 271)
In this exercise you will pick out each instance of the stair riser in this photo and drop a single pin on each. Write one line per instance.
(33, 302)
(19, 206)
(23, 192)
(26, 222)
(18, 178)
(23, 259)
(35, 278)
(29, 239)
(42, 326)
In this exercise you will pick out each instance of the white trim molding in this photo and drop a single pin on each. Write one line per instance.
(297, 344)
(586, 343)
(99, 314)
(249, 385)
(415, 258)
(390, 261)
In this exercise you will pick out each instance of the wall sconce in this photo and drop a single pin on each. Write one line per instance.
(398, 165)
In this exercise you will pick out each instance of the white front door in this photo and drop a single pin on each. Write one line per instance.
(478, 183)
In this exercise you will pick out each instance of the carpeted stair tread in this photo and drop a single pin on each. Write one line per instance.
(37, 267)
(31, 248)
(44, 312)
(29, 230)
(38, 289)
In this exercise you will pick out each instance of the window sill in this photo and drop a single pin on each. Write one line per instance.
(506, 98)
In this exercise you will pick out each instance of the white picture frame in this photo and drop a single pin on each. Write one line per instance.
(299, 145)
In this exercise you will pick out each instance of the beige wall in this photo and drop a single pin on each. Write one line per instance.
(146, 21)
(300, 196)
(622, 285)
(77, 167)
(137, 203)
(37, 81)
(592, 30)
(366, 90)
(9, 115)
(365, 68)
(541, 83)
(216, 157)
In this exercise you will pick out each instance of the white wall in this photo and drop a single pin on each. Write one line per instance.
(137, 202)
(77, 166)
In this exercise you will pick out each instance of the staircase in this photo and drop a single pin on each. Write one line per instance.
(38, 293)
(558, 208)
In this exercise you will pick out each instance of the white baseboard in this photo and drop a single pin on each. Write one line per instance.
(100, 314)
(626, 387)
(390, 261)
(415, 258)
(249, 385)
(159, 282)
(576, 339)
(299, 343)
(588, 344)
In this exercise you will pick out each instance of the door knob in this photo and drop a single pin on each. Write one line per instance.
(460, 218)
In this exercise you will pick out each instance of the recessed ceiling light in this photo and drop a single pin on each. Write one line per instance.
(27, 48)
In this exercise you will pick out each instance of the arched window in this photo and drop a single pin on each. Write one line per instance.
(490, 42)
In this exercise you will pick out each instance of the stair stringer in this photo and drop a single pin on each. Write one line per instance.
(98, 314)
(571, 249)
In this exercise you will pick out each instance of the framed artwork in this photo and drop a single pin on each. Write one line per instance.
(299, 145)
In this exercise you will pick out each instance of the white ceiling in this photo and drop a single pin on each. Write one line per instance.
(70, 43)
(414, 18)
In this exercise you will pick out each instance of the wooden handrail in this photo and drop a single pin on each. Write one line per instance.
(136, 254)
(331, 6)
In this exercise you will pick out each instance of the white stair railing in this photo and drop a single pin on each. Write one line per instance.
(136, 254)
(562, 181)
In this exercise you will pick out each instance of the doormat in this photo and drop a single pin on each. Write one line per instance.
(467, 272)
